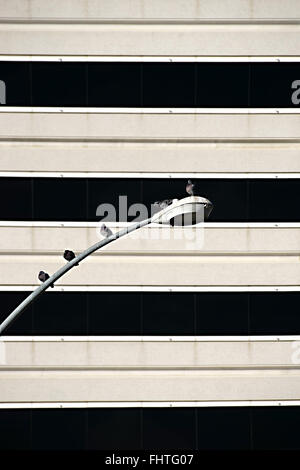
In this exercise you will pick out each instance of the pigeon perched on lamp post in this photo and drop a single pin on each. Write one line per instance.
(43, 277)
(69, 255)
(105, 231)
(190, 187)
(163, 204)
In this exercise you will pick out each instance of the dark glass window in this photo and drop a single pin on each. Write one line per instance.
(274, 313)
(222, 314)
(222, 85)
(16, 199)
(165, 428)
(109, 191)
(271, 85)
(152, 84)
(159, 189)
(114, 84)
(211, 428)
(114, 313)
(57, 429)
(114, 428)
(15, 429)
(169, 85)
(59, 84)
(276, 428)
(274, 200)
(60, 199)
(155, 313)
(60, 314)
(224, 428)
(168, 314)
(16, 76)
(71, 199)
(22, 325)
(228, 196)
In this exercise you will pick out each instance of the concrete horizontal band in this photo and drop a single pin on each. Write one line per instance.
(157, 270)
(139, 339)
(142, 110)
(151, 354)
(206, 225)
(147, 126)
(150, 159)
(152, 21)
(205, 240)
(147, 175)
(115, 386)
(148, 404)
(150, 39)
(151, 9)
(143, 58)
(165, 288)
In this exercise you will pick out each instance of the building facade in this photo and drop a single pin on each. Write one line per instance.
(167, 339)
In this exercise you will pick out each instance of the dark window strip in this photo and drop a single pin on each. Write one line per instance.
(151, 84)
(203, 428)
(155, 313)
(77, 199)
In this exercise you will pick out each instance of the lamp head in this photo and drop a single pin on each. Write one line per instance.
(188, 211)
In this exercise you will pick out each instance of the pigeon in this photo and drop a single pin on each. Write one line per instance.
(105, 231)
(43, 277)
(163, 204)
(190, 188)
(69, 255)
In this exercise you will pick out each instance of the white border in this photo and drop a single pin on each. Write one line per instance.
(141, 110)
(147, 174)
(150, 339)
(206, 225)
(149, 404)
(116, 58)
(138, 288)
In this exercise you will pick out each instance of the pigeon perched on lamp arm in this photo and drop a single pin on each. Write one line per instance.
(105, 231)
(69, 255)
(190, 188)
(43, 277)
(165, 203)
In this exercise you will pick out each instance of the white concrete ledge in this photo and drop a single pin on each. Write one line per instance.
(116, 386)
(143, 58)
(151, 339)
(148, 404)
(157, 270)
(146, 175)
(50, 239)
(150, 39)
(149, 9)
(143, 110)
(151, 354)
(157, 158)
(149, 126)
(119, 225)
(145, 288)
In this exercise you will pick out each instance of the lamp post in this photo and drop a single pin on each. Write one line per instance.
(184, 209)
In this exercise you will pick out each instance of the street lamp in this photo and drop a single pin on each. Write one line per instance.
(187, 211)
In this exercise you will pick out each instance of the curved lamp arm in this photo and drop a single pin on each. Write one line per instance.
(69, 265)
(189, 206)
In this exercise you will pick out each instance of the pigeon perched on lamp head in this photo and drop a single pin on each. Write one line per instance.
(163, 204)
(43, 277)
(105, 231)
(69, 255)
(190, 188)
